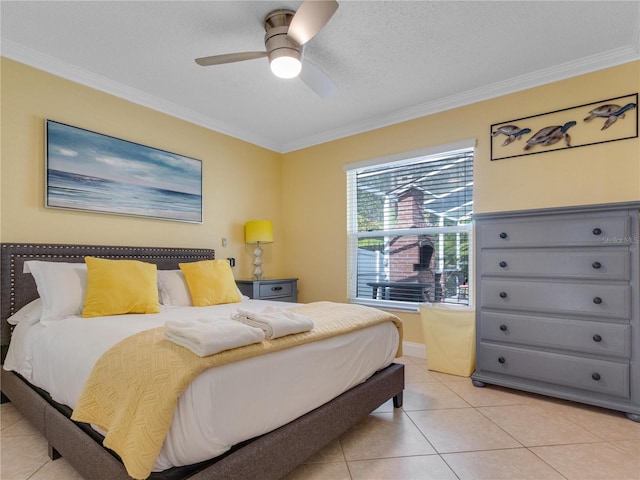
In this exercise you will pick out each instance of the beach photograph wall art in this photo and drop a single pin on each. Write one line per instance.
(90, 171)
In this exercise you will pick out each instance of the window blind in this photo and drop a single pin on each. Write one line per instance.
(409, 225)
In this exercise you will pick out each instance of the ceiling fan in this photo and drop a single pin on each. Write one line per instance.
(287, 33)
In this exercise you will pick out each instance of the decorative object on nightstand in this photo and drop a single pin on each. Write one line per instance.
(279, 289)
(257, 232)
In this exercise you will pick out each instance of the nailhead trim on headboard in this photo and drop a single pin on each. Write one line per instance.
(13, 257)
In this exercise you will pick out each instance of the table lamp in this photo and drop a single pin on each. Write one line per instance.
(257, 232)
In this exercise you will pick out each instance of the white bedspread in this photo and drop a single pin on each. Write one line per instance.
(224, 405)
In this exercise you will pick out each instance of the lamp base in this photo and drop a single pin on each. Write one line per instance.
(257, 262)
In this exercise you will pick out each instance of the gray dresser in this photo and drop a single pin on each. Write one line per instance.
(557, 303)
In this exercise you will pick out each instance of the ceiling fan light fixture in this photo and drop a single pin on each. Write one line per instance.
(286, 34)
(285, 63)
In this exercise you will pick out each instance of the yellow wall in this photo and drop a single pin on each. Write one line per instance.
(240, 181)
(303, 192)
(314, 182)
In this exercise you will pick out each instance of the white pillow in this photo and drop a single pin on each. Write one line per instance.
(30, 313)
(62, 288)
(173, 289)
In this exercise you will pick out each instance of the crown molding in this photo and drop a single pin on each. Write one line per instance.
(571, 69)
(524, 82)
(65, 70)
(560, 72)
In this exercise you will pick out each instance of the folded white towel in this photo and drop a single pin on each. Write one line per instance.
(275, 322)
(208, 336)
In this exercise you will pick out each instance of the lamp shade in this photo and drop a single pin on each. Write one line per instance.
(258, 231)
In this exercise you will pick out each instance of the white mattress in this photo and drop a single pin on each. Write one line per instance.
(224, 405)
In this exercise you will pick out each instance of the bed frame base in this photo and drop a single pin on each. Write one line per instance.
(268, 457)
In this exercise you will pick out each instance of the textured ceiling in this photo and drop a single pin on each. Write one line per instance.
(391, 60)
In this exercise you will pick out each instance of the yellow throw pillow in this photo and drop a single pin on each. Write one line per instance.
(210, 282)
(116, 287)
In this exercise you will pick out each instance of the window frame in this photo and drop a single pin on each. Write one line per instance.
(353, 236)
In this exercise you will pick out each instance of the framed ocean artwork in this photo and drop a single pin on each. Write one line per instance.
(93, 172)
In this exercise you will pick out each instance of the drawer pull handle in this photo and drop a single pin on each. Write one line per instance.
(501, 360)
(504, 295)
(276, 289)
(595, 376)
(597, 338)
(503, 328)
(503, 264)
(597, 300)
(596, 264)
(597, 231)
(503, 235)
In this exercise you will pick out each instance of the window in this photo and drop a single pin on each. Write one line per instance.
(409, 227)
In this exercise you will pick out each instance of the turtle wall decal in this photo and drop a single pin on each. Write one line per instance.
(512, 133)
(609, 111)
(550, 135)
(551, 131)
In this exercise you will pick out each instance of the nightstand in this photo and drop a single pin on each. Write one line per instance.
(279, 289)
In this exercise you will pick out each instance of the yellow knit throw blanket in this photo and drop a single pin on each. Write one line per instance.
(134, 387)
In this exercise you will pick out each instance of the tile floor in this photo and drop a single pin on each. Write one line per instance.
(447, 429)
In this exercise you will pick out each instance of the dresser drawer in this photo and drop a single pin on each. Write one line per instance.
(557, 231)
(601, 300)
(611, 378)
(600, 338)
(280, 289)
(601, 263)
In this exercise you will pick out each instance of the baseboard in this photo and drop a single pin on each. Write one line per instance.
(413, 349)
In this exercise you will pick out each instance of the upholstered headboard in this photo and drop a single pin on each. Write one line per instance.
(18, 288)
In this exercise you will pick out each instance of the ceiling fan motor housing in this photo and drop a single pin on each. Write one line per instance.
(276, 41)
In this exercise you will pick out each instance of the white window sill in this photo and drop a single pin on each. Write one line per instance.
(388, 305)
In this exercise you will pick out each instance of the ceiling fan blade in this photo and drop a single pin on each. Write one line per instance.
(317, 80)
(229, 58)
(310, 18)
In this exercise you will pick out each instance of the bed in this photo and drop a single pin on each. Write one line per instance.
(269, 455)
